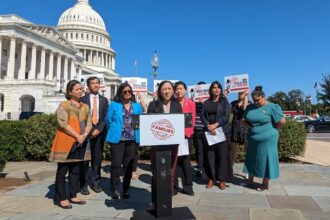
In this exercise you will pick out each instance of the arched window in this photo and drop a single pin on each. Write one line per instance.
(2, 102)
(27, 103)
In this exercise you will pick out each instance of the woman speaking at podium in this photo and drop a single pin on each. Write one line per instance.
(165, 104)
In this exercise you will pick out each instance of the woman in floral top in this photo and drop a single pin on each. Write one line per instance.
(122, 137)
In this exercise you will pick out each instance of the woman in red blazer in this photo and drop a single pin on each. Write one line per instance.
(188, 106)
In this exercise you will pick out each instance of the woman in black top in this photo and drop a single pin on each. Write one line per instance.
(238, 127)
(165, 104)
(215, 114)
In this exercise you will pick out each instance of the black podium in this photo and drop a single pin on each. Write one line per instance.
(161, 187)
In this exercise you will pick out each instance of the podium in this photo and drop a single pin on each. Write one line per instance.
(162, 132)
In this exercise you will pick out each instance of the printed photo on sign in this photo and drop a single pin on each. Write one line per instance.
(199, 92)
(83, 80)
(138, 84)
(236, 83)
(157, 82)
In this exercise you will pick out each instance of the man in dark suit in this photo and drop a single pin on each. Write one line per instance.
(98, 105)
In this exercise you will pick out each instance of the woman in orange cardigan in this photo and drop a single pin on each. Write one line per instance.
(69, 146)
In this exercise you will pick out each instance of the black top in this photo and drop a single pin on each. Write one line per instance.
(157, 107)
(222, 114)
(238, 128)
(212, 112)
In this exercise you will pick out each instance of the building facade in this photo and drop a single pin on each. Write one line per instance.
(38, 60)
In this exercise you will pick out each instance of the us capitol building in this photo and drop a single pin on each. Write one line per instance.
(37, 61)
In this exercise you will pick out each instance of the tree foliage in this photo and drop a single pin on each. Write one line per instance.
(280, 98)
(323, 95)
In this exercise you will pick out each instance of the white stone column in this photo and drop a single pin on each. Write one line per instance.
(32, 74)
(65, 72)
(113, 63)
(85, 55)
(0, 53)
(73, 70)
(41, 74)
(106, 60)
(51, 66)
(110, 60)
(11, 60)
(98, 58)
(58, 68)
(21, 72)
(91, 61)
(79, 71)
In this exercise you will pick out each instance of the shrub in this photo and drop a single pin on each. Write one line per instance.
(12, 143)
(39, 135)
(291, 142)
(2, 161)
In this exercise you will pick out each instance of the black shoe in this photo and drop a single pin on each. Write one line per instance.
(84, 190)
(126, 195)
(189, 193)
(65, 206)
(115, 194)
(97, 189)
(81, 202)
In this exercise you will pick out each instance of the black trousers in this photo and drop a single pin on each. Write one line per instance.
(135, 161)
(185, 164)
(122, 158)
(199, 144)
(96, 145)
(62, 169)
(218, 162)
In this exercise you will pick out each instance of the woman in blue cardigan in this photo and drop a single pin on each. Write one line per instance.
(122, 138)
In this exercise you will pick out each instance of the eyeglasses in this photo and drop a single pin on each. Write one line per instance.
(127, 92)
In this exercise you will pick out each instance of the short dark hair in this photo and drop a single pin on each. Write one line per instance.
(160, 87)
(214, 83)
(119, 95)
(258, 92)
(180, 83)
(201, 83)
(91, 79)
(69, 88)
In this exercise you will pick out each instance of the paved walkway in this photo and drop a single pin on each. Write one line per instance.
(317, 152)
(302, 192)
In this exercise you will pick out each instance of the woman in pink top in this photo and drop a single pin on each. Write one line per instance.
(188, 106)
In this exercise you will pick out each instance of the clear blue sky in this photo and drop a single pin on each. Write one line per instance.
(282, 44)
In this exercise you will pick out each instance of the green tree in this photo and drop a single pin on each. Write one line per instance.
(296, 100)
(324, 94)
(280, 98)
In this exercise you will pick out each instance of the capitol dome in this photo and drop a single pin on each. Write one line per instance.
(85, 28)
(82, 13)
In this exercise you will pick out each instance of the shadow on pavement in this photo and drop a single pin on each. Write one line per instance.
(139, 200)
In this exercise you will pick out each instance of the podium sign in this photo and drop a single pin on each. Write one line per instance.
(161, 129)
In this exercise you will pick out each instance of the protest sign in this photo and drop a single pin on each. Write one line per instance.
(138, 84)
(199, 92)
(237, 83)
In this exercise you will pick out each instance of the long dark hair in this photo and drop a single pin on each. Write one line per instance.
(69, 88)
(160, 88)
(214, 83)
(119, 95)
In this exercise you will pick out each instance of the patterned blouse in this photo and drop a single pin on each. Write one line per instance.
(127, 133)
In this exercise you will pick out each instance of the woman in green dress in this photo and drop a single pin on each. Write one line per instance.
(264, 119)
